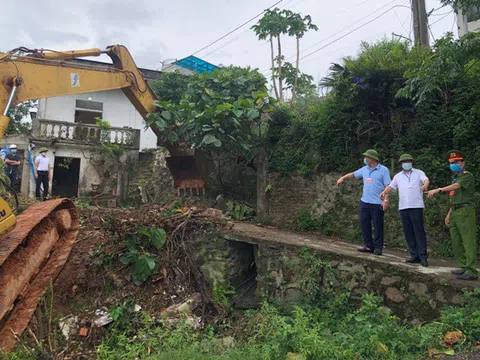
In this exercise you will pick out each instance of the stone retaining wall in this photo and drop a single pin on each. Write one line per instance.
(280, 270)
(410, 296)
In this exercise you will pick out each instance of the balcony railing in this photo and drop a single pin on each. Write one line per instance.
(85, 134)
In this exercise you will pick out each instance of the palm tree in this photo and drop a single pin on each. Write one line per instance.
(272, 25)
(298, 26)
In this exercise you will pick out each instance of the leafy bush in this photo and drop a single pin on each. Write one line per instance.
(305, 222)
(324, 331)
(143, 263)
(221, 293)
(238, 211)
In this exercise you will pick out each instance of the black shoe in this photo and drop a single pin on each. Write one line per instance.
(458, 272)
(465, 277)
(413, 261)
(365, 250)
(378, 252)
(424, 262)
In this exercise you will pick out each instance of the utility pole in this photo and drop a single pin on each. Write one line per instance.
(420, 23)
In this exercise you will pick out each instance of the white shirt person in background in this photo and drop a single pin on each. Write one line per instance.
(411, 184)
(42, 173)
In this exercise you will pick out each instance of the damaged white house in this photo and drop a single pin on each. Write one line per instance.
(67, 126)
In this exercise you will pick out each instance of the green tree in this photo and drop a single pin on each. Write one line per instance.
(171, 86)
(303, 83)
(271, 26)
(220, 109)
(223, 112)
(17, 115)
(297, 27)
(461, 4)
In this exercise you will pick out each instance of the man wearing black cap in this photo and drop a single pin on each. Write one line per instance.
(461, 217)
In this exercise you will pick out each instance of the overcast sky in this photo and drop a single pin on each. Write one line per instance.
(158, 30)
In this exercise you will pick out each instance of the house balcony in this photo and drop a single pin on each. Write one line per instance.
(84, 134)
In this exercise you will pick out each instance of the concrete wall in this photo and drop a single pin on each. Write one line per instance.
(117, 110)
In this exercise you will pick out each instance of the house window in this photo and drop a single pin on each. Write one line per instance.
(473, 14)
(87, 111)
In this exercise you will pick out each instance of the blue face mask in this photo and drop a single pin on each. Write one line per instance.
(407, 166)
(455, 167)
(13, 151)
(365, 162)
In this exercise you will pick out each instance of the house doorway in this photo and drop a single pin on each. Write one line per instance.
(66, 173)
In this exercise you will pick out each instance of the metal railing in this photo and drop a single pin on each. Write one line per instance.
(85, 134)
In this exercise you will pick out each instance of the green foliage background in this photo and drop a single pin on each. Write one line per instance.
(395, 99)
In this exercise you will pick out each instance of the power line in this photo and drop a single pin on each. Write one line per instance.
(237, 28)
(443, 17)
(345, 28)
(349, 26)
(431, 32)
(402, 24)
(433, 10)
(248, 30)
(454, 22)
(230, 32)
(348, 33)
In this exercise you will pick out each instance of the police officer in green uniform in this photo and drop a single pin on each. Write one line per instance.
(461, 218)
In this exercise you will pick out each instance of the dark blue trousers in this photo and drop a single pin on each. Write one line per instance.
(371, 214)
(412, 220)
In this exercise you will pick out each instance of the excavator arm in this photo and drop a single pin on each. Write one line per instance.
(43, 73)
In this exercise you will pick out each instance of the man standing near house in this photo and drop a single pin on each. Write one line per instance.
(42, 173)
(371, 209)
(12, 160)
(411, 183)
(461, 217)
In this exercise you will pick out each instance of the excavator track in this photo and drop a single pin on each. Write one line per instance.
(31, 257)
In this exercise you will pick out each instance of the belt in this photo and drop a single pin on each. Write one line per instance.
(459, 206)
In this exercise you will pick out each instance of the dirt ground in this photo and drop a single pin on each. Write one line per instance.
(95, 279)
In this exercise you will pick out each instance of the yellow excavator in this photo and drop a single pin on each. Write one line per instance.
(35, 245)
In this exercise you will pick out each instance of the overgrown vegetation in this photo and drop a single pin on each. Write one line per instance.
(239, 211)
(325, 325)
(140, 253)
(393, 98)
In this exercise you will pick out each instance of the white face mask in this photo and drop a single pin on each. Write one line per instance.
(44, 154)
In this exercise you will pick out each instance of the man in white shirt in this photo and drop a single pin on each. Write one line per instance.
(411, 184)
(42, 173)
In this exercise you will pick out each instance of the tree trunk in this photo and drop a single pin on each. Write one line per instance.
(294, 91)
(280, 82)
(262, 172)
(273, 69)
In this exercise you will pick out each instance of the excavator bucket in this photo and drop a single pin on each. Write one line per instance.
(187, 167)
(31, 257)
